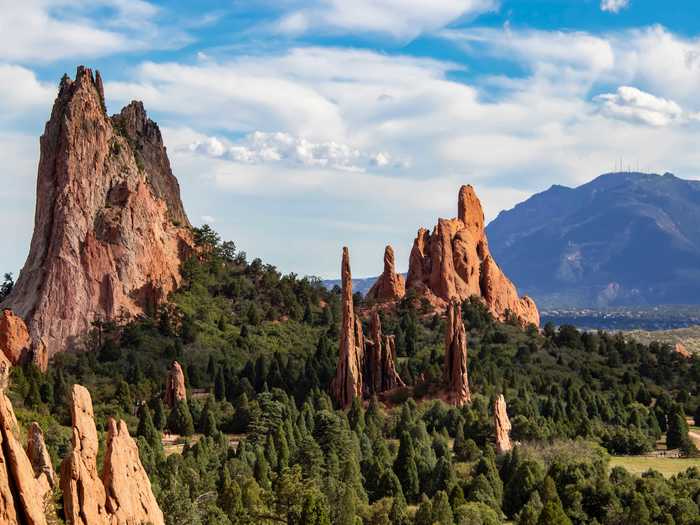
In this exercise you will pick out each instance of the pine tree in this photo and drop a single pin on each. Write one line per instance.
(405, 468)
(442, 512)
(207, 421)
(147, 429)
(677, 431)
(180, 420)
(220, 385)
(159, 419)
(552, 511)
(530, 513)
(424, 514)
(123, 397)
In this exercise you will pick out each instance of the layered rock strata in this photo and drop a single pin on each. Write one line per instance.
(110, 231)
(390, 285)
(453, 263)
(455, 364)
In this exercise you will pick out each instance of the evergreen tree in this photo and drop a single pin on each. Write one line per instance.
(677, 431)
(442, 512)
(159, 419)
(552, 510)
(180, 419)
(424, 514)
(219, 385)
(147, 429)
(405, 468)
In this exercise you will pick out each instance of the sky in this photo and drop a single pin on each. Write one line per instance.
(298, 127)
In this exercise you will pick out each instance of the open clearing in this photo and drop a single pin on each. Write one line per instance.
(666, 466)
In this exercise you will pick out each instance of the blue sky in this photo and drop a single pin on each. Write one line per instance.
(298, 127)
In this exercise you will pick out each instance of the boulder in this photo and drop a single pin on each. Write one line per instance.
(175, 390)
(110, 231)
(14, 337)
(502, 425)
(455, 365)
(390, 285)
(453, 263)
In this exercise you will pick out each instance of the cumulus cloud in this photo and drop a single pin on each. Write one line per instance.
(614, 6)
(399, 19)
(22, 92)
(630, 103)
(262, 147)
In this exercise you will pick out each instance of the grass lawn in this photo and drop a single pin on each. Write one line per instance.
(666, 466)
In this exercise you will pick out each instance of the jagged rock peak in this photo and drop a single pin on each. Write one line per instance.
(453, 262)
(502, 425)
(130, 499)
(175, 389)
(455, 365)
(110, 232)
(347, 383)
(390, 286)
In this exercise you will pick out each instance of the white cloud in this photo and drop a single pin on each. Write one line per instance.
(262, 147)
(614, 6)
(400, 19)
(47, 30)
(21, 91)
(208, 219)
(630, 103)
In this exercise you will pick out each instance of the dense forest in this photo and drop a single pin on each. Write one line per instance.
(262, 443)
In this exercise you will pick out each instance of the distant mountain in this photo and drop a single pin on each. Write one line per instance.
(362, 284)
(621, 239)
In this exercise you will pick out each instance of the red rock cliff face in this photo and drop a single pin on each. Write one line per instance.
(502, 426)
(453, 263)
(175, 390)
(380, 360)
(110, 230)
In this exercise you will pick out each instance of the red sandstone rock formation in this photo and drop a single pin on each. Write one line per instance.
(682, 351)
(347, 383)
(110, 230)
(39, 456)
(123, 495)
(83, 492)
(380, 360)
(175, 385)
(453, 263)
(502, 425)
(390, 286)
(25, 504)
(455, 366)
(130, 499)
(14, 337)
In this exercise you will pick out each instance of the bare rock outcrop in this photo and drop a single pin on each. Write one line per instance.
(123, 495)
(390, 286)
(39, 456)
(22, 495)
(84, 498)
(110, 231)
(380, 360)
(14, 337)
(347, 383)
(130, 499)
(502, 425)
(175, 390)
(453, 262)
(455, 366)
(682, 351)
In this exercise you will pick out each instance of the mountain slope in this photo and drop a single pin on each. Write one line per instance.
(623, 238)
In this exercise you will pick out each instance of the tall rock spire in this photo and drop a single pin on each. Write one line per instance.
(454, 262)
(175, 390)
(390, 286)
(502, 425)
(347, 383)
(380, 357)
(110, 231)
(455, 366)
